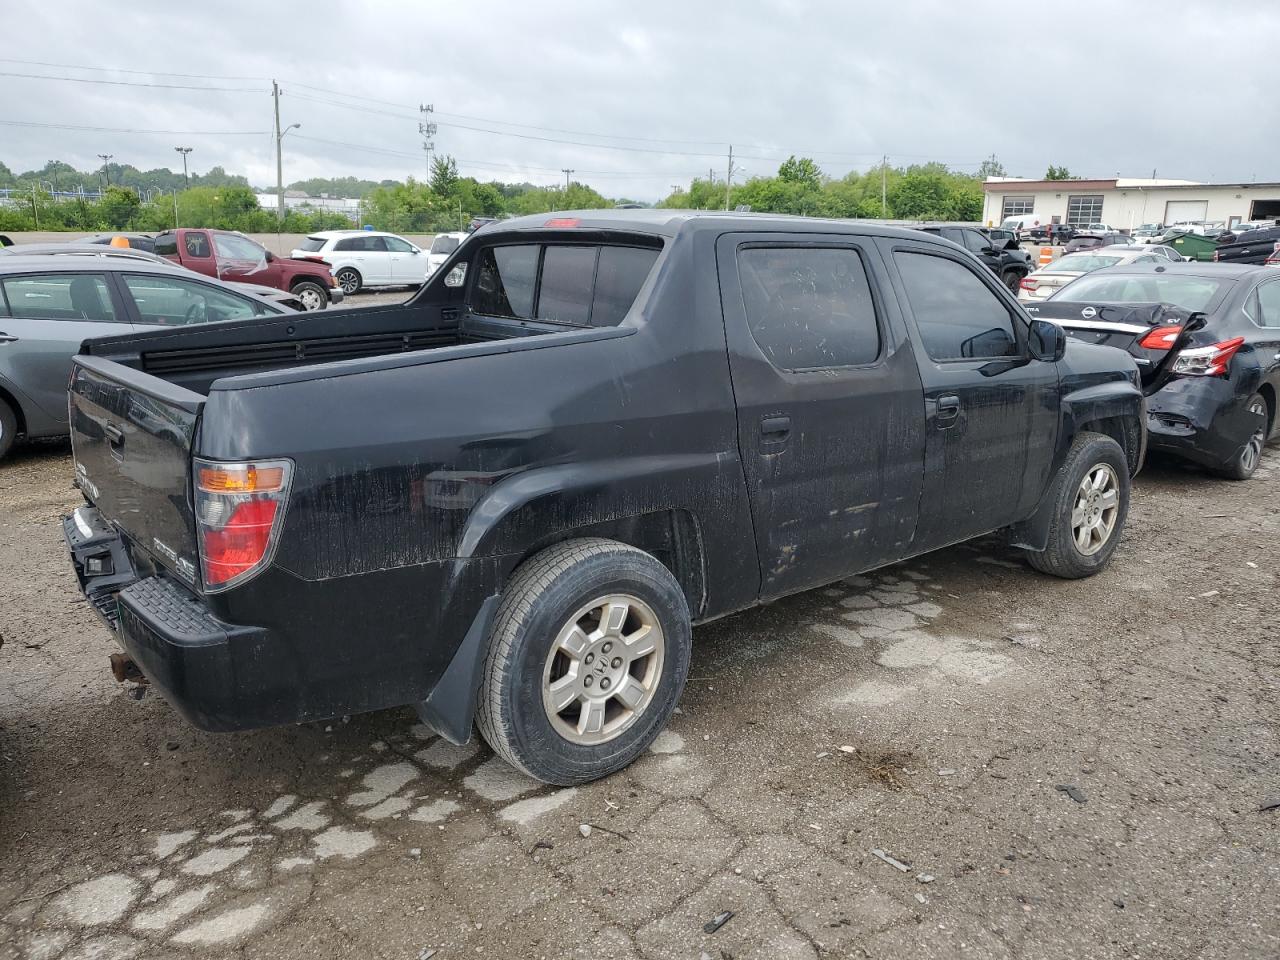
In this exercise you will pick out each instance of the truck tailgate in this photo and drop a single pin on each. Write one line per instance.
(131, 438)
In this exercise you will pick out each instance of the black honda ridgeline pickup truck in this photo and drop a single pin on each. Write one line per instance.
(507, 500)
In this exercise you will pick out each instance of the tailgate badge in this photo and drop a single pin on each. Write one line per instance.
(1088, 313)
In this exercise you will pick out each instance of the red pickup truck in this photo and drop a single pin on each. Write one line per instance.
(233, 256)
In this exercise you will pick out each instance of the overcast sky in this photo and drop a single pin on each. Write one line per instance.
(1102, 87)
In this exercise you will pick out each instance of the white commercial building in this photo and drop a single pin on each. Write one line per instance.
(1125, 203)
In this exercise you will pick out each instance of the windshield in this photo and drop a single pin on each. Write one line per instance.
(444, 244)
(1081, 263)
(311, 244)
(1189, 293)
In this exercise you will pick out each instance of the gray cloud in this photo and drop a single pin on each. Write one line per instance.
(1092, 85)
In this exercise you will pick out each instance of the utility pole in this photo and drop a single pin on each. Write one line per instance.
(728, 180)
(566, 171)
(106, 158)
(428, 130)
(884, 192)
(186, 180)
(275, 96)
(175, 209)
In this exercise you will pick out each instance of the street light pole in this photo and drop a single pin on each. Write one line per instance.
(275, 96)
(186, 180)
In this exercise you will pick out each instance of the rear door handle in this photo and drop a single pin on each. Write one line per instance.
(775, 428)
(948, 407)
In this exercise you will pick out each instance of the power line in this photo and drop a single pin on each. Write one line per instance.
(192, 133)
(129, 83)
(144, 73)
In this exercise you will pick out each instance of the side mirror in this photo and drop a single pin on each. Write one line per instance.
(988, 250)
(270, 257)
(1048, 341)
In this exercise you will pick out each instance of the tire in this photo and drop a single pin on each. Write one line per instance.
(311, 294)
(8, 428)
(1244, 463)
(1012, 279)
(349, 280)
(526, 663)
(1064, 556)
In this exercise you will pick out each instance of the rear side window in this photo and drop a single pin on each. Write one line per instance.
(808, 307)
(59, 297)
(197, 245)
(575, 284)
(360, 245)
(176, 301)
(1268, 300)
(312, 244)
(959, 317)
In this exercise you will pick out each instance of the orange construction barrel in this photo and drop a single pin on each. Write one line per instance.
(119, 241)
(1046, 255)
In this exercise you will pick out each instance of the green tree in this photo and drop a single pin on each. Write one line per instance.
(991, 167)
(444, 176)
(1058, 173)
(119, 206)
(803, 171)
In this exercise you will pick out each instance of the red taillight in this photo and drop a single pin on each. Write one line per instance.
(1028, 284)
(1161, 338)
(241, 544)
(1208, 361)
(238, 515)
(561, 222)
(1216, 258)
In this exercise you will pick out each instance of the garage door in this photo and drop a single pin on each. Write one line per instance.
(1176, 211)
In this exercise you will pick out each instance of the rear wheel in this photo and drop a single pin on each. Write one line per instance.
(349, 280)
(8, 428)
(588, 655)
(1012, 279)
(1090, 503)
(311, 295)
(1247, 460)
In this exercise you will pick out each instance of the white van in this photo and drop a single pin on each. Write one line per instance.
(1022, 224)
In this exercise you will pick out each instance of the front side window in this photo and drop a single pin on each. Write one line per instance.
(312, 244)
(959, 316)
(809, 308)
(975, 241)
(59, 297)
(173, 301)
(396, 245)
(237, 248)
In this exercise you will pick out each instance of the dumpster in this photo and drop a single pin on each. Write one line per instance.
(1193, 246)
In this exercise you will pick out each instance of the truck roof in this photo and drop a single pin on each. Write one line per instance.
(668, 223)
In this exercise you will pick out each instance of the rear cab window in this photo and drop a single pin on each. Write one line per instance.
(567, 284)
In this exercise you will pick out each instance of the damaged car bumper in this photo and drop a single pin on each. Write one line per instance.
(1204, 420)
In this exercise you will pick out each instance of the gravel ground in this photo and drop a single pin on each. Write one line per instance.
(935, 711)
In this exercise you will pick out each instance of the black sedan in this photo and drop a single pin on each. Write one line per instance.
(1207, 341)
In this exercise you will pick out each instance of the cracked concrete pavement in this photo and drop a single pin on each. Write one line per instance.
(930, 711)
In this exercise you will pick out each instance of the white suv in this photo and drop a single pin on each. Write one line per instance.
(366, 258)
(442, 248)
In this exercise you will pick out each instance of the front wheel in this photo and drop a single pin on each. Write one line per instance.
(587, 657)
(311, 295)
(1090, 501)
(1012, 280)
(1242, 466)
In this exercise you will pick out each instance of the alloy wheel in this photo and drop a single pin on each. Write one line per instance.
(1093, 518)
(603, 669)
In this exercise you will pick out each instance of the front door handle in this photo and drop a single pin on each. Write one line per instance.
(115, 436)
(948, 407)
(5, 338)
(775, 428)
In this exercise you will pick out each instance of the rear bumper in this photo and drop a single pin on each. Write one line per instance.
(1199, 419)
(324, 649)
